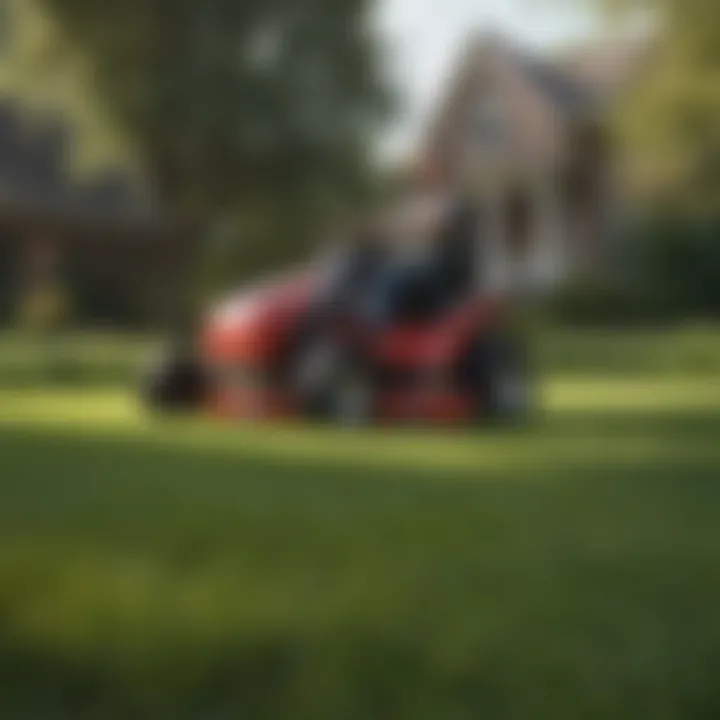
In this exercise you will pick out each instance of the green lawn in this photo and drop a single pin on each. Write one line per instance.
(153, 569)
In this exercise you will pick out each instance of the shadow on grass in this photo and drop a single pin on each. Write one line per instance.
(677, 427)
(145, 576)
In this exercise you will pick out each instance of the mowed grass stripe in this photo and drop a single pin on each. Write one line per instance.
(588, 422)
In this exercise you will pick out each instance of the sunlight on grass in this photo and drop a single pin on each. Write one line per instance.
(117, 408)
(117, 414)
(668, 395)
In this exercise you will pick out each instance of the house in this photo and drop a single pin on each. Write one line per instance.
(101, 236)
(528, 138)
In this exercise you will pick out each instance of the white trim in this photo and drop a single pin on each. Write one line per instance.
(493, 271)
(549, 259)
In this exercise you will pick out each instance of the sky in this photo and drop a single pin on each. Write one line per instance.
(424, 38)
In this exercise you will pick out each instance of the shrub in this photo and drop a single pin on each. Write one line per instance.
(661, 269)
(591, 299)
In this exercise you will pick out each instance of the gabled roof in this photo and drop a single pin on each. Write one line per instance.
(565, 92)
(35, 174)
(583, 80)
(577, 85)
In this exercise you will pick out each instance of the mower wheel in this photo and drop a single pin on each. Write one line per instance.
(175, 382)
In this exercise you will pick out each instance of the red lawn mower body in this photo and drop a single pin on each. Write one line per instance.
(375, 333)
(249, 339)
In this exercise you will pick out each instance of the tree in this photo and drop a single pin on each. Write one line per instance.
(252, 108)
(668, 123)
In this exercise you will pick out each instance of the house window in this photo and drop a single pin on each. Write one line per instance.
(518, 222)
(489, 121)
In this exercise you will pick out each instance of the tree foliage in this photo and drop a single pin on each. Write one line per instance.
(231, 104)
(669, 121)
(43, 78)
